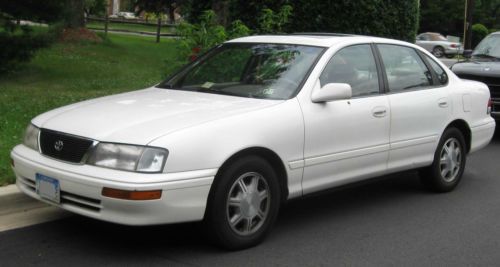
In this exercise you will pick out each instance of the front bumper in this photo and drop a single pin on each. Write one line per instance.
(184, 195)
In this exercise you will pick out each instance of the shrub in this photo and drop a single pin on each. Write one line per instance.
(396, 19)
(19, 43)
(479, 31)
(199, 38)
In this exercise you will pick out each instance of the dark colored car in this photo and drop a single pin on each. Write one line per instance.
(484, 65)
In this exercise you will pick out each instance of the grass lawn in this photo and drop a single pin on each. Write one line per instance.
(67, 73)
(129, 27)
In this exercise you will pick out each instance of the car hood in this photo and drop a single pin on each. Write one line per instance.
(478, 68)
(139, 117)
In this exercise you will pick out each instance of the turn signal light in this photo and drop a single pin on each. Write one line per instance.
(131, 195)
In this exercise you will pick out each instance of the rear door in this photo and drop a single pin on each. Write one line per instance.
(420, 105)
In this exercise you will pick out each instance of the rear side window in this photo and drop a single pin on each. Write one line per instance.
(440, 72)
(354, 65)
(404, 68)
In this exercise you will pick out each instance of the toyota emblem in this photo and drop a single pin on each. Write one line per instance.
(58, 145)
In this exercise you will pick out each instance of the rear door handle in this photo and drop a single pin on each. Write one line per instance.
(379, 112)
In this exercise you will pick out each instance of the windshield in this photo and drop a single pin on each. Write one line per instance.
(270, 71)
(488, 47)
(437, 37)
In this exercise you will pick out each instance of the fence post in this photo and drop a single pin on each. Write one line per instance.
(106, 21)
(158, 29)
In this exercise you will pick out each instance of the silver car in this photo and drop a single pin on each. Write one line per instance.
(438, 45)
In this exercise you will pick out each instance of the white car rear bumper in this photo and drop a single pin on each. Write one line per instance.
(184, 195)
(482, 134)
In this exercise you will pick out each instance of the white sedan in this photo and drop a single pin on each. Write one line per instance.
(253, 123)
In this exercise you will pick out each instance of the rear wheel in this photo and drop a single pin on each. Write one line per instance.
(449, 163)
(244, 203)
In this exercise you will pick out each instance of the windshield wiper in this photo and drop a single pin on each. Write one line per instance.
(165, 86)
(213, 91)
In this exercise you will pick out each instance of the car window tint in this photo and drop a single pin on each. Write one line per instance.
(236, 58)
(440, 73)
(354, 65)
(404, 68)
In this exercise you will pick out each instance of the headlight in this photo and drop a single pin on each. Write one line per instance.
(129, 157)
(31, 137)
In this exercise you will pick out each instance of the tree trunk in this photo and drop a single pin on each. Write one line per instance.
(106, 21)
(171, 14)
(75, 14)
(221, 9)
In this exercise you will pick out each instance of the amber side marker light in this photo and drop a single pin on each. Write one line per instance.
(131, 195)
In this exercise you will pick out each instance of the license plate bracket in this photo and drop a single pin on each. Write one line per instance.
(48, 188)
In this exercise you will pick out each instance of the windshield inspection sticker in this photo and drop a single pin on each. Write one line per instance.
(268, 91)
(207, 85)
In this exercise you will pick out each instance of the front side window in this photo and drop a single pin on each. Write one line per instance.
(269, 71)
(354, 65)
(404, 68)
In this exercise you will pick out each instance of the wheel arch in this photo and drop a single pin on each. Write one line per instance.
(464, 128)
(267, 154)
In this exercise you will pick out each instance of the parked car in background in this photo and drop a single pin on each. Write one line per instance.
(125, 15)
(438, 45)
(483, 65)
(255, 122)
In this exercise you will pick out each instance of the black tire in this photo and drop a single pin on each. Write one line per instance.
(217, 217)
(438, 51)
(432, 177)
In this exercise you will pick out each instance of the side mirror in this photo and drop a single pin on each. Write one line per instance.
(332, 91)
(467, 53)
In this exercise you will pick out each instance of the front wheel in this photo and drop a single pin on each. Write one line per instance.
(438, 51)
(243, 204)
(449, 163)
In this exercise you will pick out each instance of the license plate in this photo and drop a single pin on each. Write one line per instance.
(48, 188)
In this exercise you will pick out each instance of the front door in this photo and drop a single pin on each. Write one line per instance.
(347, 140)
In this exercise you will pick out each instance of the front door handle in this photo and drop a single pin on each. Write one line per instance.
(379, 112)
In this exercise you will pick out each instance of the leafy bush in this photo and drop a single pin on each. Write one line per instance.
(271, 22)
(479, 31)
(199, 38)
(388, 18)
(396, 19)
(19, 43)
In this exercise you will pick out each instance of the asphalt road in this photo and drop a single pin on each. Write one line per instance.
(389, 222)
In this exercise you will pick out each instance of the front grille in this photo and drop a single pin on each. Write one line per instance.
(63, 146)
(82, 202)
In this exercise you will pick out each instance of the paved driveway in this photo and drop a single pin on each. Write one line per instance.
(392, 222)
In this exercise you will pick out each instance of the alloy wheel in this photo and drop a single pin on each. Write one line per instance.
(248, 203)
(450, 160)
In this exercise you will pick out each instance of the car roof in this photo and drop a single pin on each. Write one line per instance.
(313, 39)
